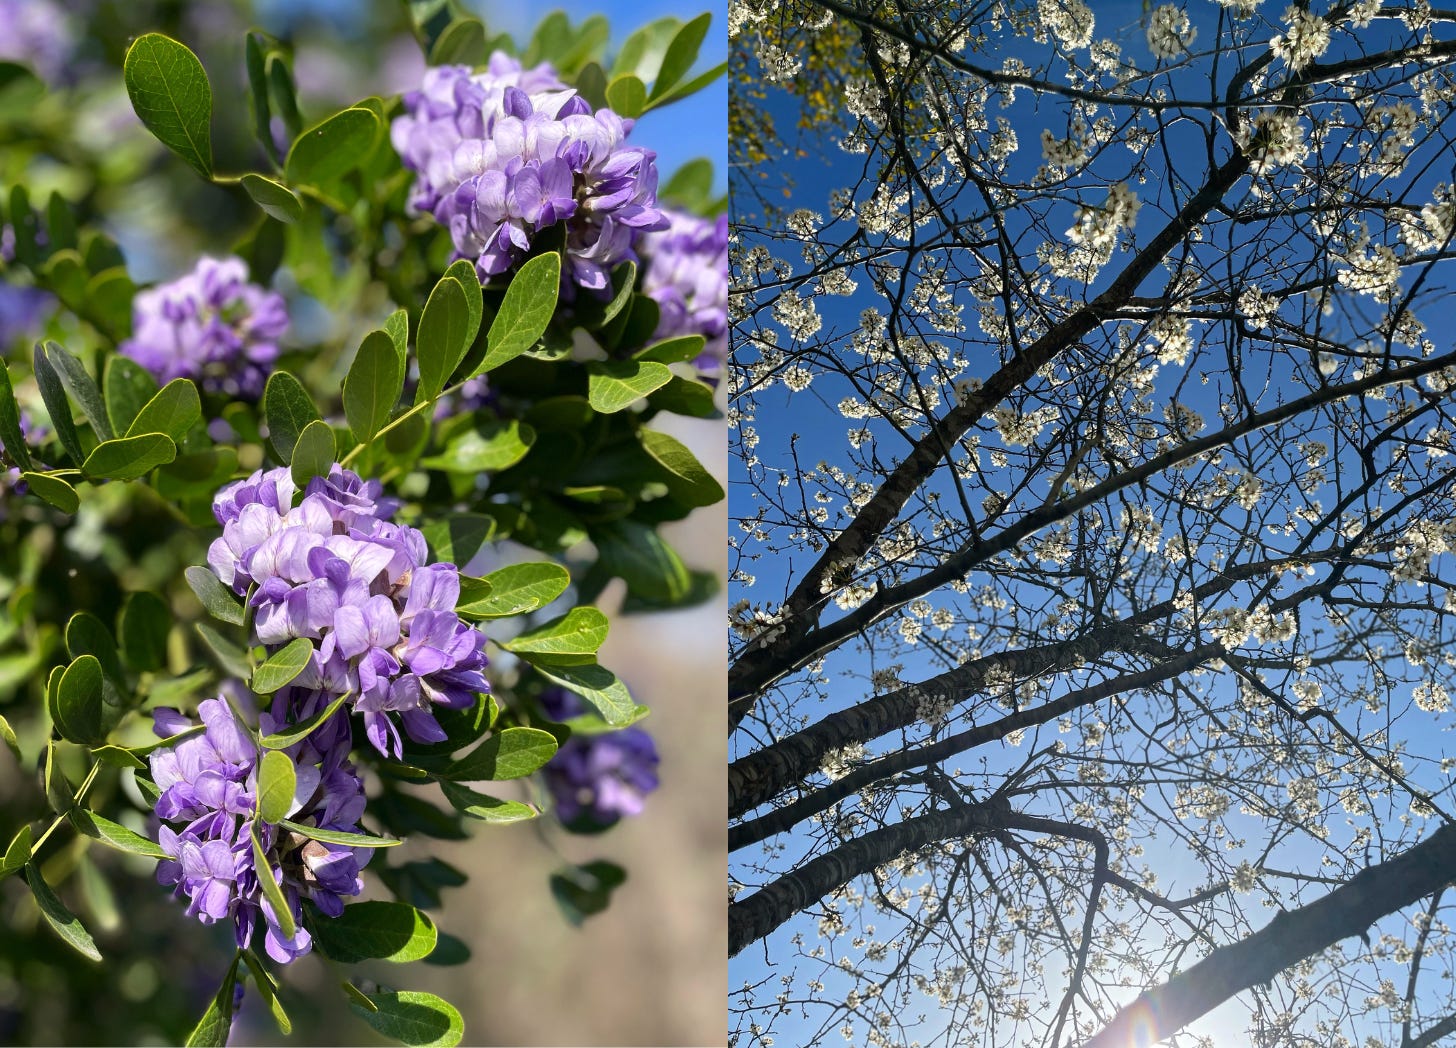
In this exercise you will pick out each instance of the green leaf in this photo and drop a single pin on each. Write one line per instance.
(690, 184)
(282, 667)
(685, 397)
(462, 271)
(598, 686)
(10, 436)
(580, 631)
(314, 454)
(584, 890)
(76, 705)
(115, 834)
(627, 95)
(459, 536)
(128, 387)
(276, 199)
(65, 923)
(487, 448)
(282, 96)
(396, 326)
(53, 490)
(7, 736)
(277, 781)
(170, 93)
(230, 655)
(449, 950)
(287, 409)
(269, 989)
(615, 385)
(351, 840)
(220, 602)
(18, 853)
(594, 314)
(333, 148)
(673, 350)
(81, 386)
(129, 457)
(59, 794)
(483, 807)
(88, 635)
(526, 309)
(509, 754)
(682, 52)
(194, 473)
(258, 88)
(386, 931)
(413, 1018)
(651, 568)
(440, 343)
(212, 1029)
(644, 50)
(692, 87)
(297, 733)
(271, 891)
(688, 480)
(373, 386)
(462, 43)
(174, 411)
(57, 406)
(142, 629)
(518, 589)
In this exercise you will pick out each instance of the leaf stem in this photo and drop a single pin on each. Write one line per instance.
(414, 410)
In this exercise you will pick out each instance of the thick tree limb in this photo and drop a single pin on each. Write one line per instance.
(1347, 911)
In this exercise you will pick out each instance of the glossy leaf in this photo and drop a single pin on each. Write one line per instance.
(53, 490)
(396, 326)
(81, 386)
(57, 406)
(17, 854)
(271, 891)
(287, 409)
(462, 43)
(170, 92)
(115, 835)
(411, 1017)
(688, 480)
(220, 602)
(598, 686)
(65, 923)
(282, 667)
(518, 589)
(580, 631)
(488, 448)
(526, 309)
(616, 385)
(127, 387)
(129, 457)
(275, 199)
(142, 630)
(314, 454)
(486, 808)
(332, 148)
(277, 780)
(376, 930)
(10, 437)
(174, 410)
(76, 704)
(441, 341)
(681, 53)
(298, 732)
(212, 1029)
(351, 840)
(458, 537)
(627, 95)
(373, 385)
(509, 754)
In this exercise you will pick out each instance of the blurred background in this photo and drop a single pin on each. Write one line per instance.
(650, 970)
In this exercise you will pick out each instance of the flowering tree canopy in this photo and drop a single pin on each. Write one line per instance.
(1092, 418)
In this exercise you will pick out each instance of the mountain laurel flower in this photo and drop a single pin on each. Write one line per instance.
(685, 271)
(334, 569)
(595, 780)
(506, 153)
(210, 325)
(208, 807)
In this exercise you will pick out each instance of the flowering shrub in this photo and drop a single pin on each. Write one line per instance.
(279, 590)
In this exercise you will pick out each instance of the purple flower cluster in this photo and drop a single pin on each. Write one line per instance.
(336, 570)
(210, 325)
(685, 271)
(505, 153)
(209, 797)
(597, 779)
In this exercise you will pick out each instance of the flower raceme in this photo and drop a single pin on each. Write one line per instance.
(210, 325)
(506, 153)
(334, 569)
(597, 779)
(209, 808)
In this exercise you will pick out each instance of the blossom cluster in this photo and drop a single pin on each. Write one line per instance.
(336, 570)
(503, 154)
(597, 779)
(210, 325)
(685, 271)
(209, 807)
